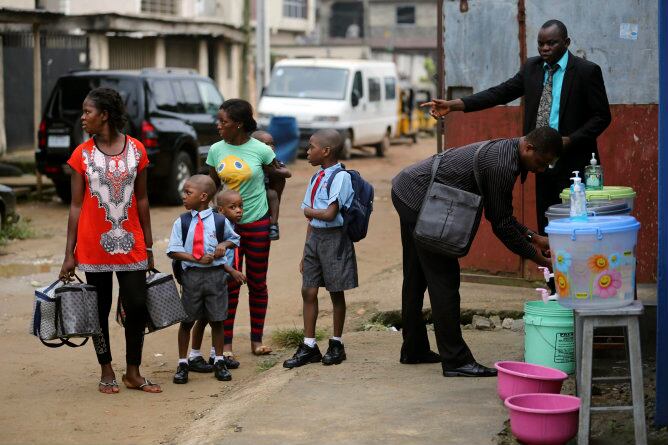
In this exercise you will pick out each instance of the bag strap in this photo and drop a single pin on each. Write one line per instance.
(219, 221)
(186, 218)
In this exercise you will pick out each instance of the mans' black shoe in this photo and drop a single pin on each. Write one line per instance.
(181, 375)
(303, 356)
(221, 372)
(335, 354)
(473, 369)
(426, 357)
(198, 364)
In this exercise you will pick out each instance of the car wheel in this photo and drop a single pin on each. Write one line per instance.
(182, 169)
(63, 190)
(347, 148)
(383, 146)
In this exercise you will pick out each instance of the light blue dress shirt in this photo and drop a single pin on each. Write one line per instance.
(210, 239)
(557, 82)
(341, 191)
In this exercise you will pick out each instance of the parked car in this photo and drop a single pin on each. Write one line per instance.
(7, 206)
(356, 97)
(172, 111)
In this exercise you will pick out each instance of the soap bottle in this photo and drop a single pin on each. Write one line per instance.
(578, 198)
(594, 174)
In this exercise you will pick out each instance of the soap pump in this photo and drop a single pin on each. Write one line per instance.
(578, 198)
(594, 174)
(545, 295)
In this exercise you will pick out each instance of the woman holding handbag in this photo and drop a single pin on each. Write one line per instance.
(109, 229)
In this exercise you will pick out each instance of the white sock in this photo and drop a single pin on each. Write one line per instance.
(183, 360)
(310, 342)
(337, 339)
(219, 357)
(213, 352)
(195, 353)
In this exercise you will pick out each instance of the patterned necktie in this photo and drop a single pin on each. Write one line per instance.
(198, 239)
(315, 186)
(545, 104)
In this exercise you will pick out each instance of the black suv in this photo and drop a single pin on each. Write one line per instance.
(172, 111)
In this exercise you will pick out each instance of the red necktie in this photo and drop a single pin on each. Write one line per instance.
(315, 186)
(198, 239)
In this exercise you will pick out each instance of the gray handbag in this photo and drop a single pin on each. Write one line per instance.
(163, 301)
(449, 217)
(64, 312)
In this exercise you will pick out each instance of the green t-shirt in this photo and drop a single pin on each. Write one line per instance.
(239, 167)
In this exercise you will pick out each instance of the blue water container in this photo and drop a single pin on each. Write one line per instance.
(285, 132)
(594, 260)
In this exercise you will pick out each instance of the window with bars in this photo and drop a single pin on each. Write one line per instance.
(163, 7)
(295, 8)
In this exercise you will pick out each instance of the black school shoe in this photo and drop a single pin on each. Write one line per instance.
(221, 372)
(335, 354)
(181, 375)
(425, 357)
(473, 369)
(198, 364)
(274, 234)
(303, 356)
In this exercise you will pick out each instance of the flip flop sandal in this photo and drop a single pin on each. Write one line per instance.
(113, 384)
(262, 350)
(145, 387)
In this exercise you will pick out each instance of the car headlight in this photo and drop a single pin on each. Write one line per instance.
(325, 119)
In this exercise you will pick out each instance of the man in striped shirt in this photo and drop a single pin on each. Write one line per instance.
(499, 165)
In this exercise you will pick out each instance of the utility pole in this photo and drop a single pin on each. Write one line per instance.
(262, 47)
(245, 52)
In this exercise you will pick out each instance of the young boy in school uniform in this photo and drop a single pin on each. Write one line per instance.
(230, 205)
(326, 262)
(205, 271)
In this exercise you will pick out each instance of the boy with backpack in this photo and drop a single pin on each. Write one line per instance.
(337, 204)
(199, 251)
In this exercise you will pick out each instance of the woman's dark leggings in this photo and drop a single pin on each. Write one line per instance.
(132, 293)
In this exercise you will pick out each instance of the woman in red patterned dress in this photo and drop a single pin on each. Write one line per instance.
(109, 229)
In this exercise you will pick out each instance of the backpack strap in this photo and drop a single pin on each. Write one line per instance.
(331, 178)
(186, 219)
(219, 220)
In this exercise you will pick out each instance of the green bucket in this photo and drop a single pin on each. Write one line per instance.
(549, 339)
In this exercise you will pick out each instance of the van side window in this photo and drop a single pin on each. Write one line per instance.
(163, 95)
(192, 104)
(374, 89)
(358, 84)
(390, 88)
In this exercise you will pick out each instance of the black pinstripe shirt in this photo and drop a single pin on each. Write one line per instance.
(498, 167)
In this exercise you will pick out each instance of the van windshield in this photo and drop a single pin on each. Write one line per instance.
(308, 82)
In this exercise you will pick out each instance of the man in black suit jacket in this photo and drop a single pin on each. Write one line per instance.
(580, 115)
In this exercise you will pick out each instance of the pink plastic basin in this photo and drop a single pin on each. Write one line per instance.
(523, 378)
(543, 419)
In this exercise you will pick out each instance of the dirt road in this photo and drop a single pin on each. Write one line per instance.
(51, 395)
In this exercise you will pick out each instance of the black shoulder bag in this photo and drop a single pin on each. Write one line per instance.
(449, 217)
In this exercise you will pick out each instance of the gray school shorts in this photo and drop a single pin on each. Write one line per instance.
(322, 268)
(204, 293)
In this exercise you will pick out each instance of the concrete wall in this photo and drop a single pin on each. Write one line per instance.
(75, 7)
(385, 32)
(17, 4)
(628, 148)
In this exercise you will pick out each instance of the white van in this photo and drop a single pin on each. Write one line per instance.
(356, 97)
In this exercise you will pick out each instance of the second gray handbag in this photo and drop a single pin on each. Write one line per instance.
(77, 311)
(162, 301)
(449, 217)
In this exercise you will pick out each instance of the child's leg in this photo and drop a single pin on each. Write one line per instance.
(339, 312)
(198, 334)
(220, 368)
(310, 310)
(184, 339)
(277, 184)
(274, 205)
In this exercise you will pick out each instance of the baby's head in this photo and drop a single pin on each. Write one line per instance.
(264, 137)
(198, 191)
(230, 204)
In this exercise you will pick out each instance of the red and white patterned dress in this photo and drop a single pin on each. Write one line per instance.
(109, 235)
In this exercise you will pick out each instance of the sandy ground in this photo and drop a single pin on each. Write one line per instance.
(51, 395)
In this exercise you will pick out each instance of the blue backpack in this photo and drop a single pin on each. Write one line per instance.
(186, 219)
(356, 216)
